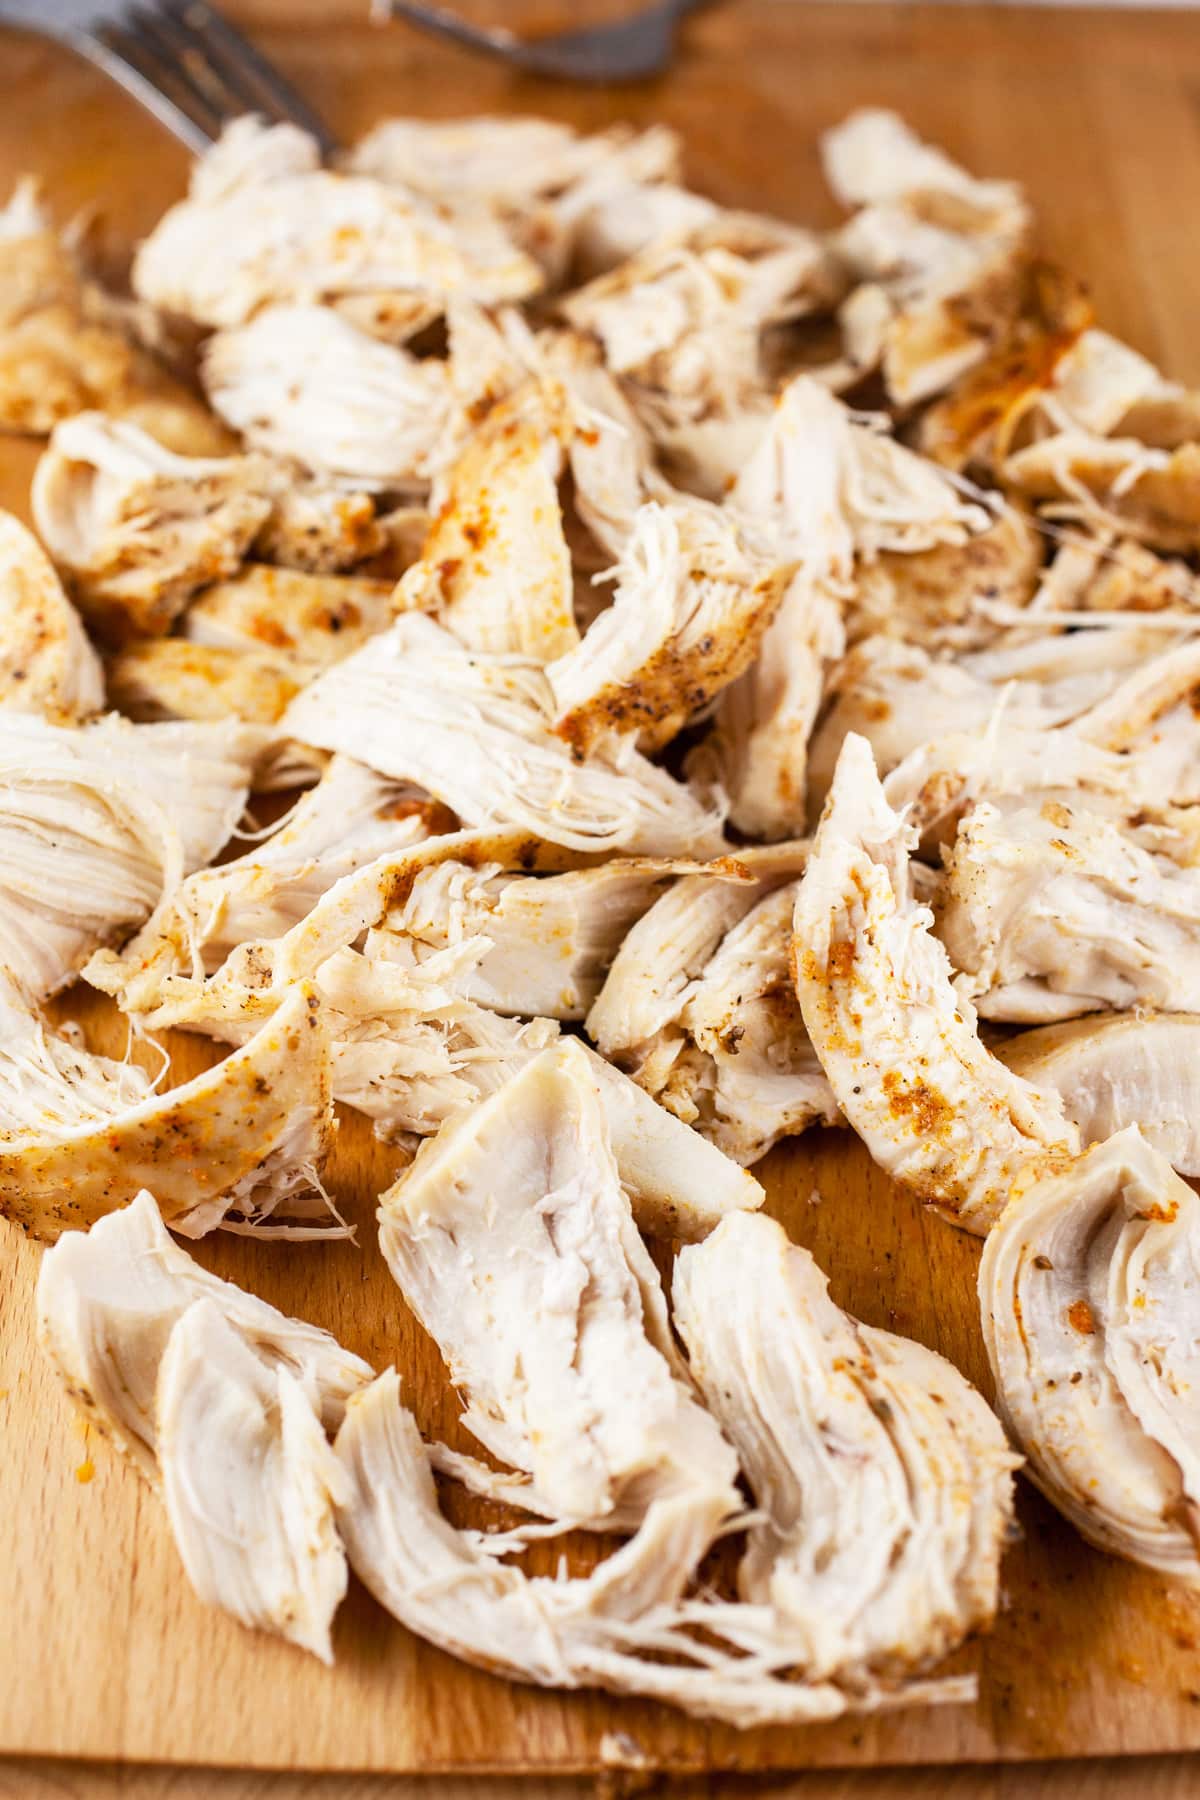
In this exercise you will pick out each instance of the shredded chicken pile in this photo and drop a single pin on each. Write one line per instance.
(714, 665)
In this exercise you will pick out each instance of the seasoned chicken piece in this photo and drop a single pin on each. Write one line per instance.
(745, 1073)
(271, 227)
(899, 1046)
(1103, 574)
(939, 256)
(664, 955)
(1087, 1293)
(610, 454)
(1149, 717)
(139, 529)
(249, 1482)
(514, 1244)
(495, 568)
(317, 527)
(477, 732)
(98, 825)
(681, 325)
(953, 597)
(67, 346)
(626, 1627)
(884, 1480)
(303, 383)
(552, 936)
(1049, 910)
(1113, 483)
(350, 818)
(108, 1300)
(47, 665)
(828, 491)
(305, 622)
(233, 1145)
(699, 1004)
(694, 596)
(937, 783)
(1132, 1068)
(219, 1401)
(900, 698)
(557, 193)
(167, 678)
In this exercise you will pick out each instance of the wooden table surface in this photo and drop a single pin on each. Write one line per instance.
(1098, 113)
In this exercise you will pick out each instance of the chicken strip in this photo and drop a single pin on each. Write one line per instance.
(694, 597)
(884, 1480)
(899, 1046)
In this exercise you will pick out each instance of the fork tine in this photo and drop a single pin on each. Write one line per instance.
(236, 56)
(179, 48)
(161, 85)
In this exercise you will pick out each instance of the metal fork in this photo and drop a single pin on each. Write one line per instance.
(194, 71)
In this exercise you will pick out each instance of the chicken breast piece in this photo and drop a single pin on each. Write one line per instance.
(624, 1628)
(514, 1243)
(168, 678)
(1131, 1068)
(954, 597)
(47, 664)
(884, 1480)
(250, 1483)
(552, 937)
(1048, 911)
(350, 818)
(476, 731)
(99, 823)
(233, 1145)
(67, 345)
(495, 567)
(305, 622)
(272, 226)
(611, 458)
(939, 256)
(303, 383)
(680, 325)
(745, 1073)
(899, 1046)
(1087, 1291)
(693, 599)
(1116, 484)
(138, 529)
(828, 492)
(108, 1300)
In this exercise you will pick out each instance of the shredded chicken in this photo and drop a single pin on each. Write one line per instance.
(899, 1046)
(514, 1243)
(1132, 1068)
(220, 1401)
(1087, 1295)
(303, 622)
(477, 731)
(301, 382)
(939, 256)
(139, 529)
(47, 664)
(264, 224)
(168, 678)
(692, 602)
(238, 1145)
(883, 1479)
(99, 824)
(1049, 910)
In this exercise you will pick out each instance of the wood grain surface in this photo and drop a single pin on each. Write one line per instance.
(107, 1653)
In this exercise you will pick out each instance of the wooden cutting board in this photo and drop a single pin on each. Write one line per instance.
(106, 1652)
